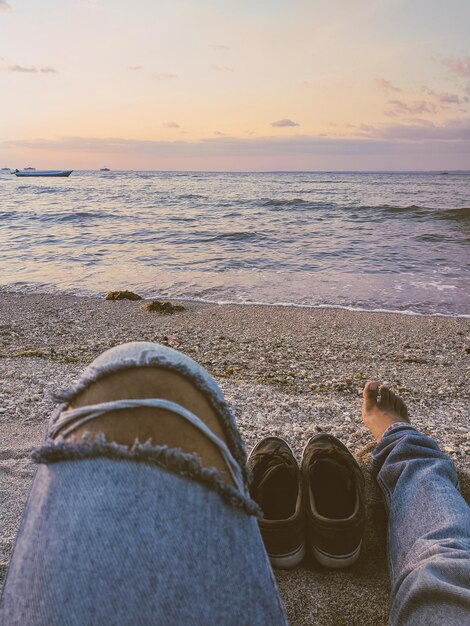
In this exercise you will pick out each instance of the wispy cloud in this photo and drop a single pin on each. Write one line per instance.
(424, 130)
(448, 98)
(284, 123)
(134, 68)
(418, 107)
(417, 130)
(171, 125)
(32, 69)
(23, 69)
(458, 65)
(218, 133)
(395, 147)
(379, 139)
(220, 47)
(443, 98)
(164, 75)
(221, 68)
(4, 6)
(386, 85)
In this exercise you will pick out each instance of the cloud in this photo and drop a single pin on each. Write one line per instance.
(163, 75)
(443, 98)
(458, 65)
(398, 108)
(386, 86)
(22, 69)
(220, 47)
(284, 123)
(218, 133)
(171, 125)
(221, 68)
(448, 98)
(424, 130)
(457, 130)
(4, 6)
(397, 146)
(134, 68)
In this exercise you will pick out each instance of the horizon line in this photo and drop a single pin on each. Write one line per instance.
(329, 171)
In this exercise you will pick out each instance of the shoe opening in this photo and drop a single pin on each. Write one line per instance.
(333, 489)
(277, 492)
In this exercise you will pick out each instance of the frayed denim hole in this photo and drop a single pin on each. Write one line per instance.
(93, 374)
(171, 459)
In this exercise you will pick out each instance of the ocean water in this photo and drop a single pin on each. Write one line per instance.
(368, 241)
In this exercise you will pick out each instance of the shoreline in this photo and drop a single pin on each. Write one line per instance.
(248, 303)
(288, 371)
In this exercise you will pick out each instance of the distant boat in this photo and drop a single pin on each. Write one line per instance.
(30, 171)
(105, 169)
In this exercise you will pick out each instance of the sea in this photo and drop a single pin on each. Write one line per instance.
(362, 241)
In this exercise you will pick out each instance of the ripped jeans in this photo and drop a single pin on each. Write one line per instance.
(112, 535)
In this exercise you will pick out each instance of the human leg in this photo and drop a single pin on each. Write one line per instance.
(429, 521)
(148, 534)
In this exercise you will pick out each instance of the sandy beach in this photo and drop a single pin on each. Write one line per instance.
(286, 371)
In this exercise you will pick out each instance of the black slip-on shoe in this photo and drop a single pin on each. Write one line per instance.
(277, 488)
(334, 501)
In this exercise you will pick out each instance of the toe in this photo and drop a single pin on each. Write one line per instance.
(384, 395)
(401, 408)
(394, 402)
(370, 394)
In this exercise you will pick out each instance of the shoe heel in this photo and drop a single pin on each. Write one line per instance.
(288, 561)
(336, 561)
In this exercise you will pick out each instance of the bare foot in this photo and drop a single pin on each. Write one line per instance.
(378, 415)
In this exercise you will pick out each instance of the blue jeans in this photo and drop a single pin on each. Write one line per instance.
(144, 536)
(428, 530)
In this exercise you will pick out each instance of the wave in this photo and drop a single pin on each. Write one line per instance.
(191, 196)
(416, 210)
(51, 190)
(78, 216)
(47, 288)
(243, 235)
(276, 203)
(456, 215)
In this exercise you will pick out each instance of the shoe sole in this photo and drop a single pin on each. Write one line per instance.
(336, 561)
(288, 561)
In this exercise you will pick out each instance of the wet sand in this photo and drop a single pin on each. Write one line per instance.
(285, 370)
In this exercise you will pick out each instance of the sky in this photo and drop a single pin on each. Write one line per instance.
(244, 85)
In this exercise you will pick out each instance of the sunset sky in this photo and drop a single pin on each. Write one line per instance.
(235, 84)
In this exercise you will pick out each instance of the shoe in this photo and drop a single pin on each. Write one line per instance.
(277, 488)
(334, 501)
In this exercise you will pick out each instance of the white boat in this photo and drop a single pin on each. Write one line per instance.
(27, 173)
